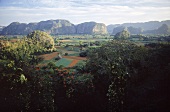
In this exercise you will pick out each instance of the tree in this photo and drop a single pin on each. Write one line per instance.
(122, 35)
(42, 39)
(111, 65)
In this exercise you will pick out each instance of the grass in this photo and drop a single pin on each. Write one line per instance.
(64, 62)
(75, 54)
(75, 41)
(80, 62)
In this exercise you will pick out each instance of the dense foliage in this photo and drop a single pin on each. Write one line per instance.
(118, 76)
(42, 38)
(122, 35)
(17, 61)
(112, 65)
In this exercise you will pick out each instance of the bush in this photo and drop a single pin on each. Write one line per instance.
(83, 54)
(66, 54)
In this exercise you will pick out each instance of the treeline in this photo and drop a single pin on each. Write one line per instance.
(118, 76)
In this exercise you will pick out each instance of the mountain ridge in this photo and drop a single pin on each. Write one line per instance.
(63, 27)
(150, 25)
(55, 27)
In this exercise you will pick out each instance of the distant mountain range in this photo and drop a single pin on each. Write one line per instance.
(2, 27)
(55, 27)
(151, 27)
(63, 27)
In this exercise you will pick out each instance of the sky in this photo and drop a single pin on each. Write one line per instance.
(79, 11)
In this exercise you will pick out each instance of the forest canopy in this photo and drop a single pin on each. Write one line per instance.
(112, 79)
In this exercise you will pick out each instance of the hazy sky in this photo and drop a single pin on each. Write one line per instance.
(78, 11)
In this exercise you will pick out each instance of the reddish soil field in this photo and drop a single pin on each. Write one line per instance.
(14, 40)
(75, 57)
(73, 63)
(49, 56)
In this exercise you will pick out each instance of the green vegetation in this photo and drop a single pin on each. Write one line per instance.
(122, 35)
(42, 38)
(111, 67)
(118, 76)
(64, 62)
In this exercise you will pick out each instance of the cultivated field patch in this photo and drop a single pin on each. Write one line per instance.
(73, 63)
(64, 62)
(75, 57)
(49, 56)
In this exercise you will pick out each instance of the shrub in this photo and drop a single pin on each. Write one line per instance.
(66, 54)
(83, 54)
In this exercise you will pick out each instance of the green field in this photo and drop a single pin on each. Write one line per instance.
(64, 62)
